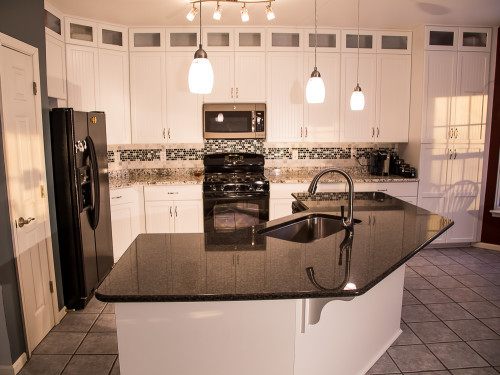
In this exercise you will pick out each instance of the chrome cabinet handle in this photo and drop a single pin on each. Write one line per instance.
(170, 211)
(118, 197)
(456, 133)
(373, 132)
(236, 93)
(455, 154)
(451, 133)
(378, 132)
(168, 133)
(306, 131)
(450, 152)
(373, 220)
(175, 211)
(22, 221)
(232, 90)
(369, 220)
(163, 133)
(301, 131)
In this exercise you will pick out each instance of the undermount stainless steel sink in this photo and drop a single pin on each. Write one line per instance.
(306, 229)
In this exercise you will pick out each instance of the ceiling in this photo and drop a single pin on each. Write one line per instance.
(397, 14)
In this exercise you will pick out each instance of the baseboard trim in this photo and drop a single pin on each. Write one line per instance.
(60, 315)
(488, 246)
(18, 365)
(447, 245)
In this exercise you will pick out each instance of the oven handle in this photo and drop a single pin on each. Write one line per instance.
(250, 195)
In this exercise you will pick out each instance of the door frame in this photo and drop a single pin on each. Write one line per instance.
(14, 44)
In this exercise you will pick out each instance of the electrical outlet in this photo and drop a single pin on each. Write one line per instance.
(295, 154)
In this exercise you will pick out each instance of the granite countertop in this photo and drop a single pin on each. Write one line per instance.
(245, 265)
(194, 176)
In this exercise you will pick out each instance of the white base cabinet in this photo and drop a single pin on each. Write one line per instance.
(127, 217)
(173, 209)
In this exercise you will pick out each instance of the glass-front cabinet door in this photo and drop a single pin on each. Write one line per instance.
(80, 31)
(113, 37)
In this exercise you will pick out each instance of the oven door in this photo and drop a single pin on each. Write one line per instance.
(231, 212)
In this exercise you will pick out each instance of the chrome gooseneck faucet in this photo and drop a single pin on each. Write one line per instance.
(349, 223)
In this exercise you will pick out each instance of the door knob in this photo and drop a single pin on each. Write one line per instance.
(22, 222)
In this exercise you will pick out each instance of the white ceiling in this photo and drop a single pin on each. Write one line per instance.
(400, 14)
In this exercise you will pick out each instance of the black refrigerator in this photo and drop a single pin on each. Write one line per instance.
(81, 184)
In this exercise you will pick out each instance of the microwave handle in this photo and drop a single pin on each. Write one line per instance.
(254, 119)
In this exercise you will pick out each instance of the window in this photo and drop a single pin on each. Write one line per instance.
(496, 210)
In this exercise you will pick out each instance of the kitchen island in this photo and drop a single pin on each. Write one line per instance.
(245, 302)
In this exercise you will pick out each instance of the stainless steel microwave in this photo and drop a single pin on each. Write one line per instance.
(234, 121)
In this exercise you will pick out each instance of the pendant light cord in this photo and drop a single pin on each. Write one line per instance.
(315, 32)
(357, 73)
(200, 25)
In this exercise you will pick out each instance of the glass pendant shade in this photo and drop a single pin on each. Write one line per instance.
(315, 89)
(357, 99)
(217, 12)
(201, 76)
(244, 14)
(269, 12)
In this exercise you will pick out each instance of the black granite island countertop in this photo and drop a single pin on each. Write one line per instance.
(246, 265)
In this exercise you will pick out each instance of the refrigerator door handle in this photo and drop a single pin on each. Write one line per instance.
(96, 197)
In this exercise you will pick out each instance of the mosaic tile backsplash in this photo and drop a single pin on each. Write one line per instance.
(154, 156)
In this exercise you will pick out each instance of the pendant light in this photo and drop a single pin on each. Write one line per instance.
(217, 12)
(244, 13)
(201, 74)
(357, 97)
(315, 90)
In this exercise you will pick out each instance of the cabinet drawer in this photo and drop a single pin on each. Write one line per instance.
(396, 189)
(172, 192)
(286, 190)
(124, 195)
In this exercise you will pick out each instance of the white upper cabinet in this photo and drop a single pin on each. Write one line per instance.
(218, 39)
(183, 107)
(322, 120)
(474, 39)
(80, 31)
(358, 126)
(328, 40)
(54, 22)
(112, 37)
(56, 67)
(469, 106)
(439, 86)
(82, 77)
(238, 77)
(250, 77)
(394, 42)
(367, 41)
(182, 39)
(285, 92)
(247, 39)
(148, 97)
(147, 39)
(393, 98)
(279, 39)
(441, 38)
(115, 95)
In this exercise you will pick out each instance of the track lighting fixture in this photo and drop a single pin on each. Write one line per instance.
(192, 13)
(245, 16)
(269, 12)
(244, 13)
(217, 12)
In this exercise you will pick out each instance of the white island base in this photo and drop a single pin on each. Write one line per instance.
(264, 337)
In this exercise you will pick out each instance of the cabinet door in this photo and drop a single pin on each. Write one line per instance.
(123, 226)
(56, 67)
(280, 208)
(223, 66)
(188, 216)
(393, 98)
(431, 226)
(112, 37)
(439, 86)
(80, 31)
(159, 216)
(114, 95)
(471, 100)
(434, 161)
(148, 91)
(183, 107)
(464, 188)
(188, 270)
(322, 120)
(250, 77)
(358, 126)
(285, 93)
(83, 77)
(284, 267)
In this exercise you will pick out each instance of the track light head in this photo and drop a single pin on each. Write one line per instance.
(244, 13)
(192, 13)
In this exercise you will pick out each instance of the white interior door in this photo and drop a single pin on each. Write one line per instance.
(23, 144)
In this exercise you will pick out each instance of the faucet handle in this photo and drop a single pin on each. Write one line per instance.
(342, 212)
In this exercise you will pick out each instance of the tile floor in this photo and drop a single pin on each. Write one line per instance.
(450, 322)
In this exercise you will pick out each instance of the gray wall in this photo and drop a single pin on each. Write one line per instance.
(23, 20)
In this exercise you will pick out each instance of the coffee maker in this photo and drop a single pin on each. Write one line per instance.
(379, 163)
